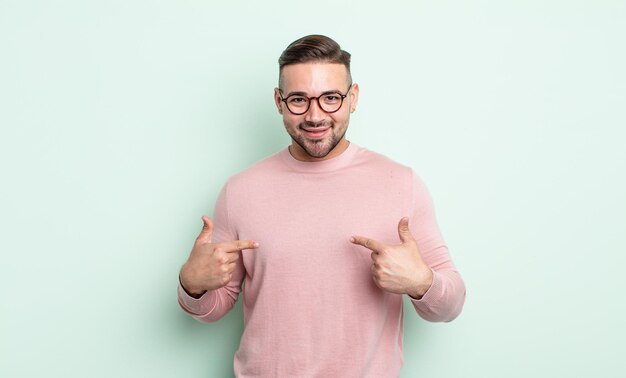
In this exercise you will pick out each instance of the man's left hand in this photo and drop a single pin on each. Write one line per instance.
(398, 268)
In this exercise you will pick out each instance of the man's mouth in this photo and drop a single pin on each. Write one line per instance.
(315, 132)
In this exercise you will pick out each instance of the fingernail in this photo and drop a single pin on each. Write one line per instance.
(256, 244)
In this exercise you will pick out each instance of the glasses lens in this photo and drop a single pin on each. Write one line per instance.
(330, 102)
(297, 104)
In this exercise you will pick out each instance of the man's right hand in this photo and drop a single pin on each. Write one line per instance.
(211, 265)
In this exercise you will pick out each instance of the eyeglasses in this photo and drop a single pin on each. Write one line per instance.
(329, 102)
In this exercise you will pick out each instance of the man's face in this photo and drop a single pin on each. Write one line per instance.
(316, 135)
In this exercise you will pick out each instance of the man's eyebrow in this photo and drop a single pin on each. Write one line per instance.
(299, 93)
(296, 93)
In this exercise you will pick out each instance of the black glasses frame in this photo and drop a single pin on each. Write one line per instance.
(280, 93)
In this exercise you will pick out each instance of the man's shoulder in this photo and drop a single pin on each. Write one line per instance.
(262, 169)
(375, 160)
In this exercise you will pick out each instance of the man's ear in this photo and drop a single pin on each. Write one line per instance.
(278, 101)
(354, 97)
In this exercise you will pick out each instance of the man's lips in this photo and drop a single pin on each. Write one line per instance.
(315, 132)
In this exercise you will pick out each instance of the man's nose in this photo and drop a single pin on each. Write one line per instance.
(315, 113)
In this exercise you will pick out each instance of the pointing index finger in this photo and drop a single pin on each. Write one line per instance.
(368, 243)
(238, 245)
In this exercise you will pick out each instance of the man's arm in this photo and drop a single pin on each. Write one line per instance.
(444, 299)
(210, 280)
(420, 266)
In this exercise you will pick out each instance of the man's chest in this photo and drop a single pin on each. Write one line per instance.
(305, 227)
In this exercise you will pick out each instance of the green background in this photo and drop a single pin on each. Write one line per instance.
(121, 120)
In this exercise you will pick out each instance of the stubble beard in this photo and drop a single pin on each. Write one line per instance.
(318, 148)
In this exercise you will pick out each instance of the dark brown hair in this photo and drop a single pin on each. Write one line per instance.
(313, 48)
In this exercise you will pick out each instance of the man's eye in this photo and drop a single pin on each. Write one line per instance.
(297, 100)
(331, 98)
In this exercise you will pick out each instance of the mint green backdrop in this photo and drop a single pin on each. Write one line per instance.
(121, 120)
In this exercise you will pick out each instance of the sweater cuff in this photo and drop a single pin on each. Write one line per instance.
(432, 295)
(196, 306)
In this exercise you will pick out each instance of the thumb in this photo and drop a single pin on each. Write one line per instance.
(403, 230)
(207, 230)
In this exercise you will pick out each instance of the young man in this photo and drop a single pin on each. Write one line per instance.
(320, 300)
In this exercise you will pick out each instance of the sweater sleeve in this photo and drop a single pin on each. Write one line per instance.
(444, 300)
(214, 304)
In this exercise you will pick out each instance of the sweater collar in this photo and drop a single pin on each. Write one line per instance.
(329, 165)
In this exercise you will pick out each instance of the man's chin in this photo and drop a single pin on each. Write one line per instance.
(317, 153)
(316, 149)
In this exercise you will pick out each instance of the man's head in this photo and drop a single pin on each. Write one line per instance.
(315, 97)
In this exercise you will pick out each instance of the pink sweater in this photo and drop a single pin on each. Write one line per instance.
(310, 306)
